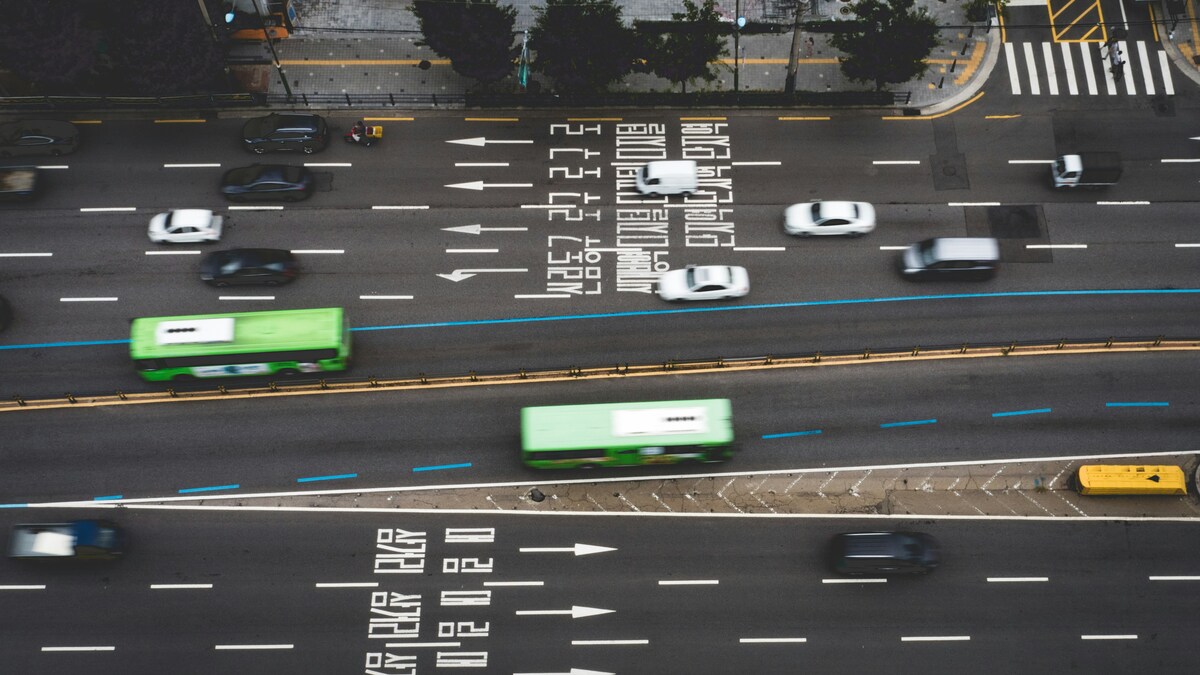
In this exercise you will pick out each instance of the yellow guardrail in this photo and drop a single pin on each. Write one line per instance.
(1132, 479)
(866, 356)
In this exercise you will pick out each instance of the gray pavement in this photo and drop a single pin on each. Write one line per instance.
(359, 48)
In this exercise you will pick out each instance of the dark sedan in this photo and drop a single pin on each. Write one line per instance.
(25, 138)
(282, 132)
(267, 182)
(260, 266)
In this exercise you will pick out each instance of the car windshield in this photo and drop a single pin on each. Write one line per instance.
(925, 251)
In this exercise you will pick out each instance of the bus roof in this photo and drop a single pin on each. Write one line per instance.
(237, 332)
(641, 424)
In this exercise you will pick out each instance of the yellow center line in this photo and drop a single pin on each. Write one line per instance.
(180, 121)
(1153, 22)
(803, 119)
(1192, 20)
(1000, 117)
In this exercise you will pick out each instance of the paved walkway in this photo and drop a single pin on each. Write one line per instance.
(368, 52)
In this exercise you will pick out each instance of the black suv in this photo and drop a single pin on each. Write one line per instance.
(240, 266)
(286, 131)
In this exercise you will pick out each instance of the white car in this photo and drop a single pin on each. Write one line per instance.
(704, 282)
(820, 218)
(185, 226)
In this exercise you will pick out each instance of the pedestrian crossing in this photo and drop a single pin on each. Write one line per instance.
(1087, 69)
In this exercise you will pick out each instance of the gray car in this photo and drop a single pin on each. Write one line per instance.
(28, 138)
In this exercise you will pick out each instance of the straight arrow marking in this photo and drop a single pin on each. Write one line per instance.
(479, 185)
(575, 612)
(480, 141)
(574, 671)
(476, 229)
(459, 275)
(577, 549)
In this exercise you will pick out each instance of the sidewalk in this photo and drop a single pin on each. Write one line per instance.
(359, 49)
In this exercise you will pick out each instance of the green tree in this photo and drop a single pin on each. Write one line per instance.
(51, 44)
(476, 35)
(583, 45)
(162, 49)
(891, 43)
(696, 42)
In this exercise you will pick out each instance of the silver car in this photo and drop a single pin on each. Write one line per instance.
(185, 226)
(829, 218)
(704, 282)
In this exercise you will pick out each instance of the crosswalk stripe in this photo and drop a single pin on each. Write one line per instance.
(1165, 67)
(1070, 69)
(1051, 80)
(1147, 73)
(1085, 56)
(1034, 87)
(1130, 82)
(1013, 78)
(1108, 74)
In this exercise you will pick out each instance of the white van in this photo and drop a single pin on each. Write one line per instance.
(951, 258)
(677, 177)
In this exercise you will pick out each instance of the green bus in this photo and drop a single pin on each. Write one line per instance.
(626, 434)
(286, 342)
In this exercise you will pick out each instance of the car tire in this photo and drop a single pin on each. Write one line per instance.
(804, 234)
(854, 235)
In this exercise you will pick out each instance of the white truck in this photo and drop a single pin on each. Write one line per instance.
(18, 183)
(79, 539)
(1087, 169)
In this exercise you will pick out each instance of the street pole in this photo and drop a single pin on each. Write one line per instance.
(737, 34)
(274, 55)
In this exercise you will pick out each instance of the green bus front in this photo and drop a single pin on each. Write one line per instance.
(626, 434)
(285, 342)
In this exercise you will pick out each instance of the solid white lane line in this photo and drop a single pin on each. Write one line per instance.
(936, 638)
(53, 166)
(1014, 580)
(348, 584)
(1187, 245)
(973, 204)
(23, 587)
(541, 296)
(405, 645)
(190, 166)
(609, 642)
(1085, 57)
(893, 248)
(472, 250)
(393, 208)
(108, 209)
(1056, 245)
(471, 164)
(1174, 578)
(25, 255)
(1130, 203)
(760, 248)
(895, 162)
(776, 163)
(1109, 637)
(385, 297)
(97, 299)
(245, 297)
(1030, 161)
(231, 647)
(1178, 161)
(514, 583)
(172, 587)
(106, 648)
(327, 164)
(688, 582)
(771, 640)
(172, 252)
(310, 251)
(255, 208)
(868, 580)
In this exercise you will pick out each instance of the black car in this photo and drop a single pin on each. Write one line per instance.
(286, 131)
(262, 182)
(37, 137)
(266, 266)
(884, 553)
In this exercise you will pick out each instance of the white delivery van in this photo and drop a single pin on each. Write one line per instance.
(676, 177)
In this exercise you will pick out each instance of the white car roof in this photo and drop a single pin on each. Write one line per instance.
(194, 217)
(713, 274)
(846, 210)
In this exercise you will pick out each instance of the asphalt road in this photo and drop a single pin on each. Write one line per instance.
(927, 178)
(470, 435)
(699, 595)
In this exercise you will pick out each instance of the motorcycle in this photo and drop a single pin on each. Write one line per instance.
(364, 135)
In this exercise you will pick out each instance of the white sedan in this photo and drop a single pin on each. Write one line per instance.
(820, 218)
(704, 282)
(185, 226)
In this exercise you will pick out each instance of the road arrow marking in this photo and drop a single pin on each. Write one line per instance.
(577, 549)
(480, 141)
(459, 275)
(574, 671)
(479, 185)
(476, 229)
(576, 611)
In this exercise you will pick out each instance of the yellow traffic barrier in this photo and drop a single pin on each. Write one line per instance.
(1131, 479)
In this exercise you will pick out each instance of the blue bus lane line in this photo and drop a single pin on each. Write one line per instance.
(792, 434)
(1137, 404)
(211, 488)
(910, 423)
(340, 476)
(440, 467)
(1014, 413)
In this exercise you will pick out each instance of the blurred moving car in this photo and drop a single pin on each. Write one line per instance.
(884, 553)
(78, 540)
(238, 266)
(281, 132)
(973, 258)
(264, 182)
(185, 226)
(18, 183)
(829, 218)
(24, 138)
(704, 282)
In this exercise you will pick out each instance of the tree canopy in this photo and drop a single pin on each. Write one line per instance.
(476, 35)
(689, 51)
(583, 45)
(891, 44)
